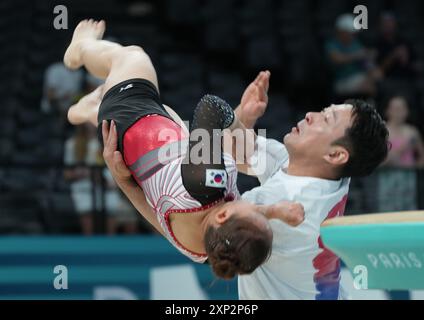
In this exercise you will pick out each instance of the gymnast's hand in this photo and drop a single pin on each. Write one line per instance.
(254, 100)
(112, 157)
(289, 212)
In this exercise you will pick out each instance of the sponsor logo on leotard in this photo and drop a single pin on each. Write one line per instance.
(128, 86)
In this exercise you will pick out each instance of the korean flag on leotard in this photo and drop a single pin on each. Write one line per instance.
(216, 178)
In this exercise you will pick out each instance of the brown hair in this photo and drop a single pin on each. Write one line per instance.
(236, 247)
(366, 140)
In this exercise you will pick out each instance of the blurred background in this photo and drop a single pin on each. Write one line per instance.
(59, 206)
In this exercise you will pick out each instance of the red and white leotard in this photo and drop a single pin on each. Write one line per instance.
(154, 150)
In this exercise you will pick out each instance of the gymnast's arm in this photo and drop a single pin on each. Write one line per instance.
(267, 155)
(254, 155)
(122, 176)
(213, 113)
(240, 142)
(291, 213)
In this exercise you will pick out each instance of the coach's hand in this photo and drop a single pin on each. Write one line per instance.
(254, 100)
(113, 158)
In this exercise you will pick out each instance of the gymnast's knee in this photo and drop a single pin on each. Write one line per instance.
(133, 49)
(134, 54)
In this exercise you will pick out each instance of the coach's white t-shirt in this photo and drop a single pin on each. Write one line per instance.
(299, 266)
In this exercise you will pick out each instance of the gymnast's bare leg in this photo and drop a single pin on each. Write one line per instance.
(106, 60)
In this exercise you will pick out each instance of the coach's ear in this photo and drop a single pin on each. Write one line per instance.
(337, 156)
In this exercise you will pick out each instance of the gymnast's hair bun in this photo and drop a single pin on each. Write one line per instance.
(238, 246)
(224, 268)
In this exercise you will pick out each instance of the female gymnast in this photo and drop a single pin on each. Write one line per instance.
(193, 203)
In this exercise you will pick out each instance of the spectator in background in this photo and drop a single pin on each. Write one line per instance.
(92, 82)
(352, 64)
(125, 215)
(61, 87)
(395, 58)
(397, 184)
(407, 146)
(81, 151)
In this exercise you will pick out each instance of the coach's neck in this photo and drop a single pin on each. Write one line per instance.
(321, 171)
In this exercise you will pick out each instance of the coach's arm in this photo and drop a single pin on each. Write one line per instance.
(122, 175)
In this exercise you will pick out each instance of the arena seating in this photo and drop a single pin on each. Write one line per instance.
(212, 46)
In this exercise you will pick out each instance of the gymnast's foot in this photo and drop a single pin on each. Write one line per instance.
(86, 108)
(85, 30)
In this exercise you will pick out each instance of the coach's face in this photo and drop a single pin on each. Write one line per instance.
(312, 140)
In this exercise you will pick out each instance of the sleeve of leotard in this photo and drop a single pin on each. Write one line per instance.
(205, 157)
(212, 113)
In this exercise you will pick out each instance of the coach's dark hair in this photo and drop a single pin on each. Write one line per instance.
(238, 246)
(366, 140)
